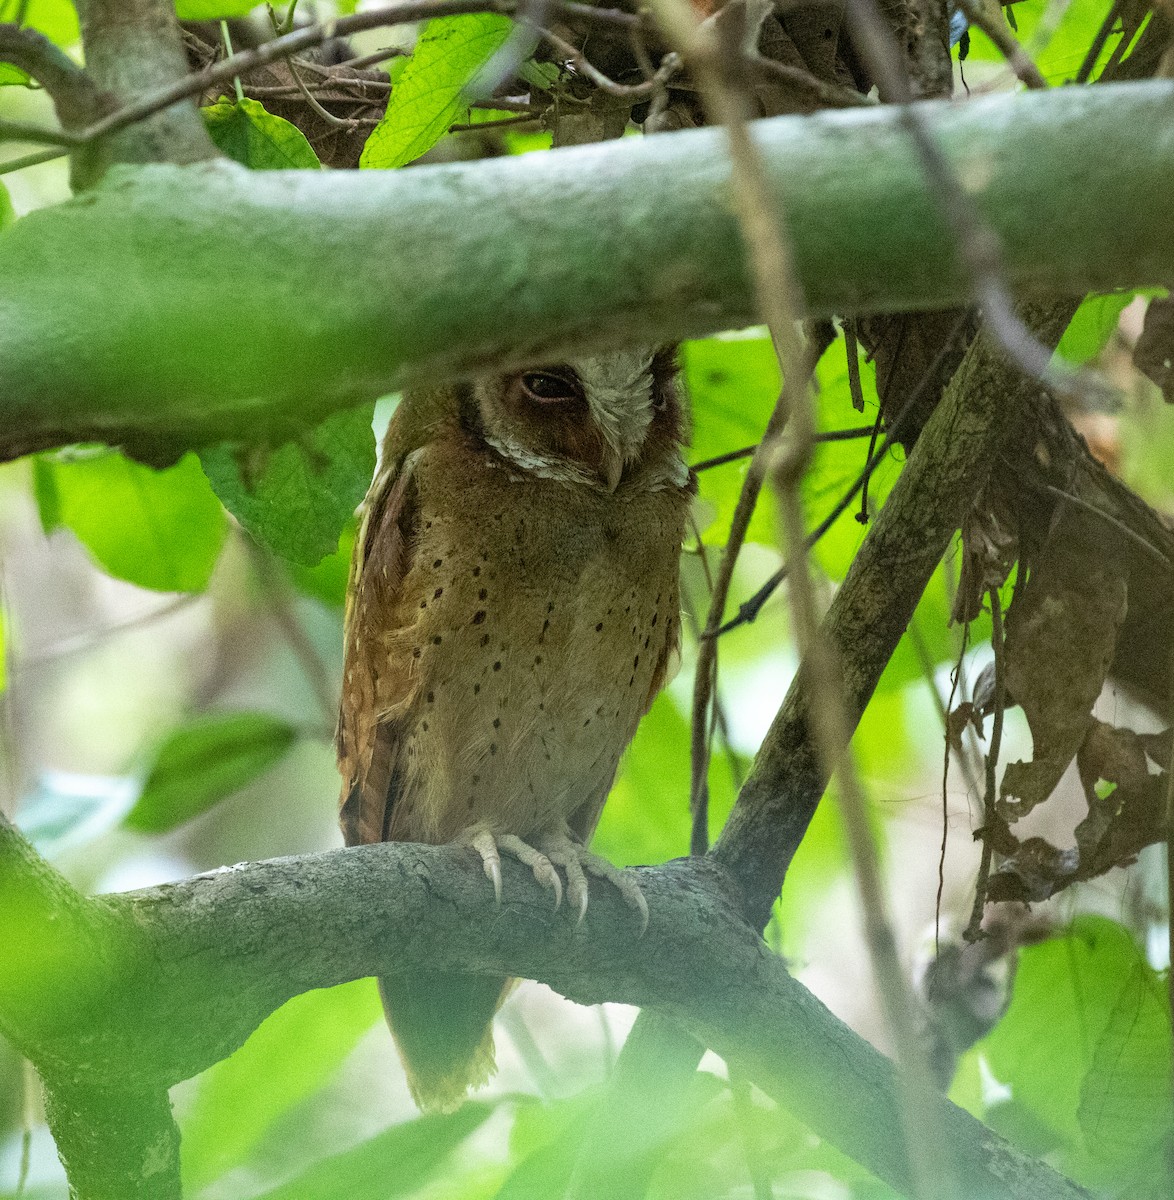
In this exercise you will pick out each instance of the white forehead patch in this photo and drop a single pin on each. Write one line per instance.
(618, 388)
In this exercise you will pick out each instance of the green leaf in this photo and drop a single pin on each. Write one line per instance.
(255, 138)
(204, 761)
(7, 214)
(157, 529)
(298, 498)
(1126, 1107)
(11, 76)
(327, 581)
(1091, 327)
(393, 1163)
(209, 10)
(1066, 1046)
(56, 19)
(292, 1055)
(429, 95)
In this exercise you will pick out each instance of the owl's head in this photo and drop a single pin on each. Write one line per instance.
(598, 421)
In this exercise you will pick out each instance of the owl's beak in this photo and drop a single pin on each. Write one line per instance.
(611, 467)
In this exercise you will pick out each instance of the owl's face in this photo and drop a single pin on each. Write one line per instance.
(595, 421)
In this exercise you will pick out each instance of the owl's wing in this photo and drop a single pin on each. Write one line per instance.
(377, 685)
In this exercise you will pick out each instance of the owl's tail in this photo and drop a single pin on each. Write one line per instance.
(443, 1026)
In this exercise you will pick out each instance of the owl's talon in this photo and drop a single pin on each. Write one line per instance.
(578, 861)
(484, 843)
(538, 863)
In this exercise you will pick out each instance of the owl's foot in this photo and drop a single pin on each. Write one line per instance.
(491, 847)
(578, 862)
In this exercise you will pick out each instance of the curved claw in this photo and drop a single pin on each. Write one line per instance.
(541, 866)
(485, 845)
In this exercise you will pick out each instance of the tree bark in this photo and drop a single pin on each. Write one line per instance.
(178, 306)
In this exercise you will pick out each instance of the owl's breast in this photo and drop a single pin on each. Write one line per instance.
(541, 617)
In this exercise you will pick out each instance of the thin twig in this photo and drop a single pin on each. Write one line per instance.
(828, 94)
(977, 245)
(852, 354)
(669, 66)
(32, 160)
(312, 101)
(518, 119)
(1098, 43)
(1170, 866)
(973, 930)
(830, 435)
(1150, 550)
(372, 60)
(752, 607)
(995, 26)
(277, 596)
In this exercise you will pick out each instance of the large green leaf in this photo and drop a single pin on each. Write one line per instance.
(244, 131)
(393, 1163)
(297, 498)
(7, 214)
(293, 1054)
(1085, 1048)
(1126, 1110)
(56, 19)
(429, 95)
(1091, 327)
(203, 762)
(158, 529)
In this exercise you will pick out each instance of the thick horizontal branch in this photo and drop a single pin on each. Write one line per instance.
(188, 304)
(217, 953)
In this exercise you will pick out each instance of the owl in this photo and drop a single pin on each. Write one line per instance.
(513, 611)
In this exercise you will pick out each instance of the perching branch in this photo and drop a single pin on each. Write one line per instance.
(214, 955)
(112, 322)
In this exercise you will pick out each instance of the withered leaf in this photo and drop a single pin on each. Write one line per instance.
(1061, 634)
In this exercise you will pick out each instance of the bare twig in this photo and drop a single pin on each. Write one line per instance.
(32, 160)
(1098, 43)
(852, 354)
(828, 435)
(995, 26)
(667, 69)
(827, 94)
(973, 930)
(75, 96)
(517, 119)
(976, 243)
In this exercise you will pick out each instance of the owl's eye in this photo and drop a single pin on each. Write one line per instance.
(547, 387)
